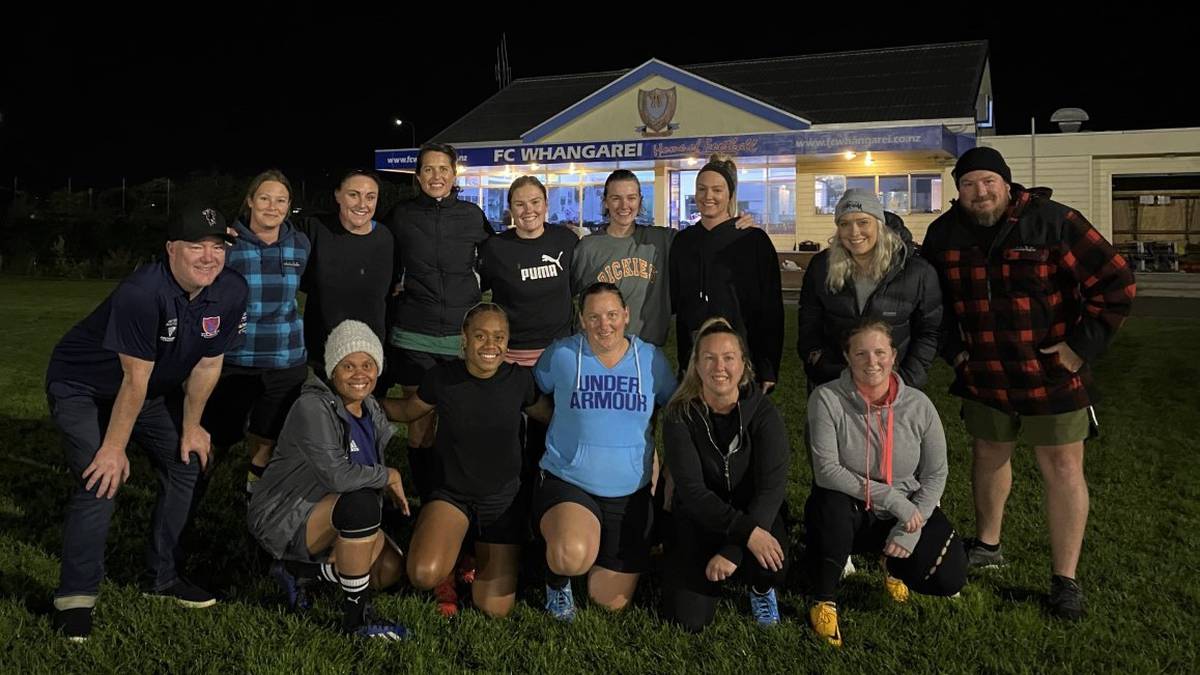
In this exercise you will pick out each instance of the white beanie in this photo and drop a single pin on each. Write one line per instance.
(351, 336)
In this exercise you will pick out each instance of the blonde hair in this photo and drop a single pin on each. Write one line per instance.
(691, 388)
(842, 267)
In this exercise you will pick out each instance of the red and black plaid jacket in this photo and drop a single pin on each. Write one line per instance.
(1049, 277)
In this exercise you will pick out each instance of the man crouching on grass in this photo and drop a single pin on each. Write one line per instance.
(142, 366)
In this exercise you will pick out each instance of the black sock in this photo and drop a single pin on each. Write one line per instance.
(991, 548)
(301, 570)
(556, 581)
(355, 603)
(256, 470)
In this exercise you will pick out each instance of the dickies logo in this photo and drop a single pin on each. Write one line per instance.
(210, 326)
(210, 217)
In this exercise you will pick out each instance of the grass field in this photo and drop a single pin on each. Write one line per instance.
(1139, 566)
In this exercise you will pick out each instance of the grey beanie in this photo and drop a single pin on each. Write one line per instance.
(858, 200)
(351, 336)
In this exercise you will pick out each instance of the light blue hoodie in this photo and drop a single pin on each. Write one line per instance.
(600, 438)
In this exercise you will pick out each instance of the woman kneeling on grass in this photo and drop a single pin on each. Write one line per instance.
(593, 502)
(479, 402)
(879, 468)
(317, 509)
(727, 451)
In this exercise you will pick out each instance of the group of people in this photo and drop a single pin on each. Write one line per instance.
(531, 418)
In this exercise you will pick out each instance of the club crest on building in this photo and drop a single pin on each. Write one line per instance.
(657, 108)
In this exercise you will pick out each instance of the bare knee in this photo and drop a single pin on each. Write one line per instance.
(1061, 464)
(992, 453)
(425, 573)
(495, 607)
(569, 557)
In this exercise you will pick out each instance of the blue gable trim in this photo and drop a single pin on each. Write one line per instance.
(677, 75)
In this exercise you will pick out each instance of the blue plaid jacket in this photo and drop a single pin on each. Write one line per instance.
(274, 330)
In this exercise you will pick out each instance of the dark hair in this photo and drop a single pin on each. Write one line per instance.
(444, 148)
(366, 173)
(596, 289)
(723, 166)
(620, 175)
(866, 325)
(269, 175)
(526, 181)
(482, 308)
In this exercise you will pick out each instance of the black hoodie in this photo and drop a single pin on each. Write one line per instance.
(729, 492)
(731, 273)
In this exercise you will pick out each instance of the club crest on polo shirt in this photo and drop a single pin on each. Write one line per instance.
(210, 326)
(169, 328)
(543, 271)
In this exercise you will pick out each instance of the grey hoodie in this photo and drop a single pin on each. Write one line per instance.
(638, 265)
(311, 461)
(838, 428)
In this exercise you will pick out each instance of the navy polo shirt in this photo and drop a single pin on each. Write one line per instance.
(150, 317)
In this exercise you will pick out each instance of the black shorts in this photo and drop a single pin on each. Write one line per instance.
(625, 522)
(251, 399)
(411, 365)
(502, 520)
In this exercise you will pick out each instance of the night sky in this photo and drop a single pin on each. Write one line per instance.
(96, 98)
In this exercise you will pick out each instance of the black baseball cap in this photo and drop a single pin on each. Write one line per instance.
(198, 222)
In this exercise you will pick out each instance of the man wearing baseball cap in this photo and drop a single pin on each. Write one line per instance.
(1033, 295)
(141, 366)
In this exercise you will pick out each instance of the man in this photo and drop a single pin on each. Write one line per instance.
(1034, 295)
(142, 366)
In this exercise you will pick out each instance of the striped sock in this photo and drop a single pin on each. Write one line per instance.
(355, 604)
(328, 573)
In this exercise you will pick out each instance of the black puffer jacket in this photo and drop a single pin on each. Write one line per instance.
(908, 298)
(436, 247)
(729, 493)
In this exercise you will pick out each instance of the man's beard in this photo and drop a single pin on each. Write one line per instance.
(988, 218)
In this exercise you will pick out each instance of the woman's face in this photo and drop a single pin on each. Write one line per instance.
(721, 364)
(871, 357)
(485, 342)
(858, 233)
(436, 176)
(356, 199)
(712, 195)
(623, 200)
(269, 205)
(528, 207)
(604, 321)
(354, 377)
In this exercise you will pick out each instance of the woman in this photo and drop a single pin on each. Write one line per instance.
(719, 270)
(480, 457)
(727, 451)
(869, 270)
(528, 269)
(879, 468)
(437, 239)
(350, 269)
(593, 503)
(633, 257)
(317, 509)
(261, 379)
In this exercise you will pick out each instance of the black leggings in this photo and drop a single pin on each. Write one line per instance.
(689, 598)
(837, 525)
